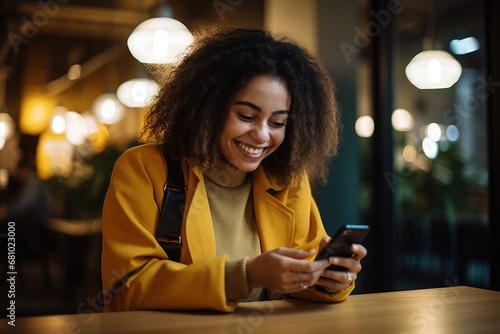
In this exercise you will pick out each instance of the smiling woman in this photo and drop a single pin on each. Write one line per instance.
(192, 107)
(252, 119)
(255, 126)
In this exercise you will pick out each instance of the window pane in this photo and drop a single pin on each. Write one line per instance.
(440, 145)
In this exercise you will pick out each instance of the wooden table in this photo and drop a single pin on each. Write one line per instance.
(436, 311)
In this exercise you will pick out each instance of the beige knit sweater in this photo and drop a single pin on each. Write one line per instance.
(229, 193)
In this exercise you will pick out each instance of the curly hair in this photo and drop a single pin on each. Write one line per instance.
(188, 114)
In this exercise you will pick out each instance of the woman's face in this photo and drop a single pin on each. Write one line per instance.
(255, 126)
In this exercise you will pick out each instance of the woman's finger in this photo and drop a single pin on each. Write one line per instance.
(359, 251)
(294, 253)
(340, 276)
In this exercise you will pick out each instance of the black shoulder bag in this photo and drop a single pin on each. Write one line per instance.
(168, 234)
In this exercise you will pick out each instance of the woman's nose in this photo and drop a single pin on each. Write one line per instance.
(260, 133)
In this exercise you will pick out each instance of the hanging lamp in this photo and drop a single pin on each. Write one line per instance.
(137, 93)
(107, 109)
(159, 40)
(7, 127)
(431, 68)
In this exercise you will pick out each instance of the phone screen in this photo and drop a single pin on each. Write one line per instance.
(341, 241)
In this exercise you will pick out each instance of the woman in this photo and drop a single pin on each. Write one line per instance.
(252, 119)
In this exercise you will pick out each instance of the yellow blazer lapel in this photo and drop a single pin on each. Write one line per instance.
(199, 230)
(275, 220)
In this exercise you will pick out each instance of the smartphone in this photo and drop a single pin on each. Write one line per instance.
(340, 243)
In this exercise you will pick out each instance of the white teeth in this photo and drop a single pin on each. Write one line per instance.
(250, 150)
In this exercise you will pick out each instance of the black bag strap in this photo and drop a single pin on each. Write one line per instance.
(168, 234)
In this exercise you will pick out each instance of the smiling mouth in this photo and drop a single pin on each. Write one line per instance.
(250, 150)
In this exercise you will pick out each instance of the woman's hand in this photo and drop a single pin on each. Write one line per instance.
(285, 270)
(333, 280)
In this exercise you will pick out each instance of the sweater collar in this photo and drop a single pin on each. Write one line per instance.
(259, 176)
(225, 175)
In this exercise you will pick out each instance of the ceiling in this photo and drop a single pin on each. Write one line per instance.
(101, 22)
(41, 42)
(89, 18)
(117, 18)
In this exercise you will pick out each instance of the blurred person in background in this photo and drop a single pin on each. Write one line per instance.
(27, 202)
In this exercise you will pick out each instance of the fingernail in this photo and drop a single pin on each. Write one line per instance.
(334, 260)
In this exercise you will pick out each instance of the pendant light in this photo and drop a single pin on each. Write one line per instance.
(431, 68)
(107, 109)
(159, 40)
(137, 93)
(6, 126)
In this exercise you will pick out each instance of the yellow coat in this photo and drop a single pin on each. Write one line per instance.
(136, 273)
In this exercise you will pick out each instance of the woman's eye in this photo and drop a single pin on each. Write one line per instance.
(246, 118)
(278, 124)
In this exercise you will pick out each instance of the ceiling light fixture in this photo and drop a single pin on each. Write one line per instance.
(137, 93)
(108, 109)
(431, 68)
(159, 40)
(6, 126)
(402, 120)
(364, 126)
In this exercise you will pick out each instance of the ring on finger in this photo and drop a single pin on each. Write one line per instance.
(302, 286)
(349, 276)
